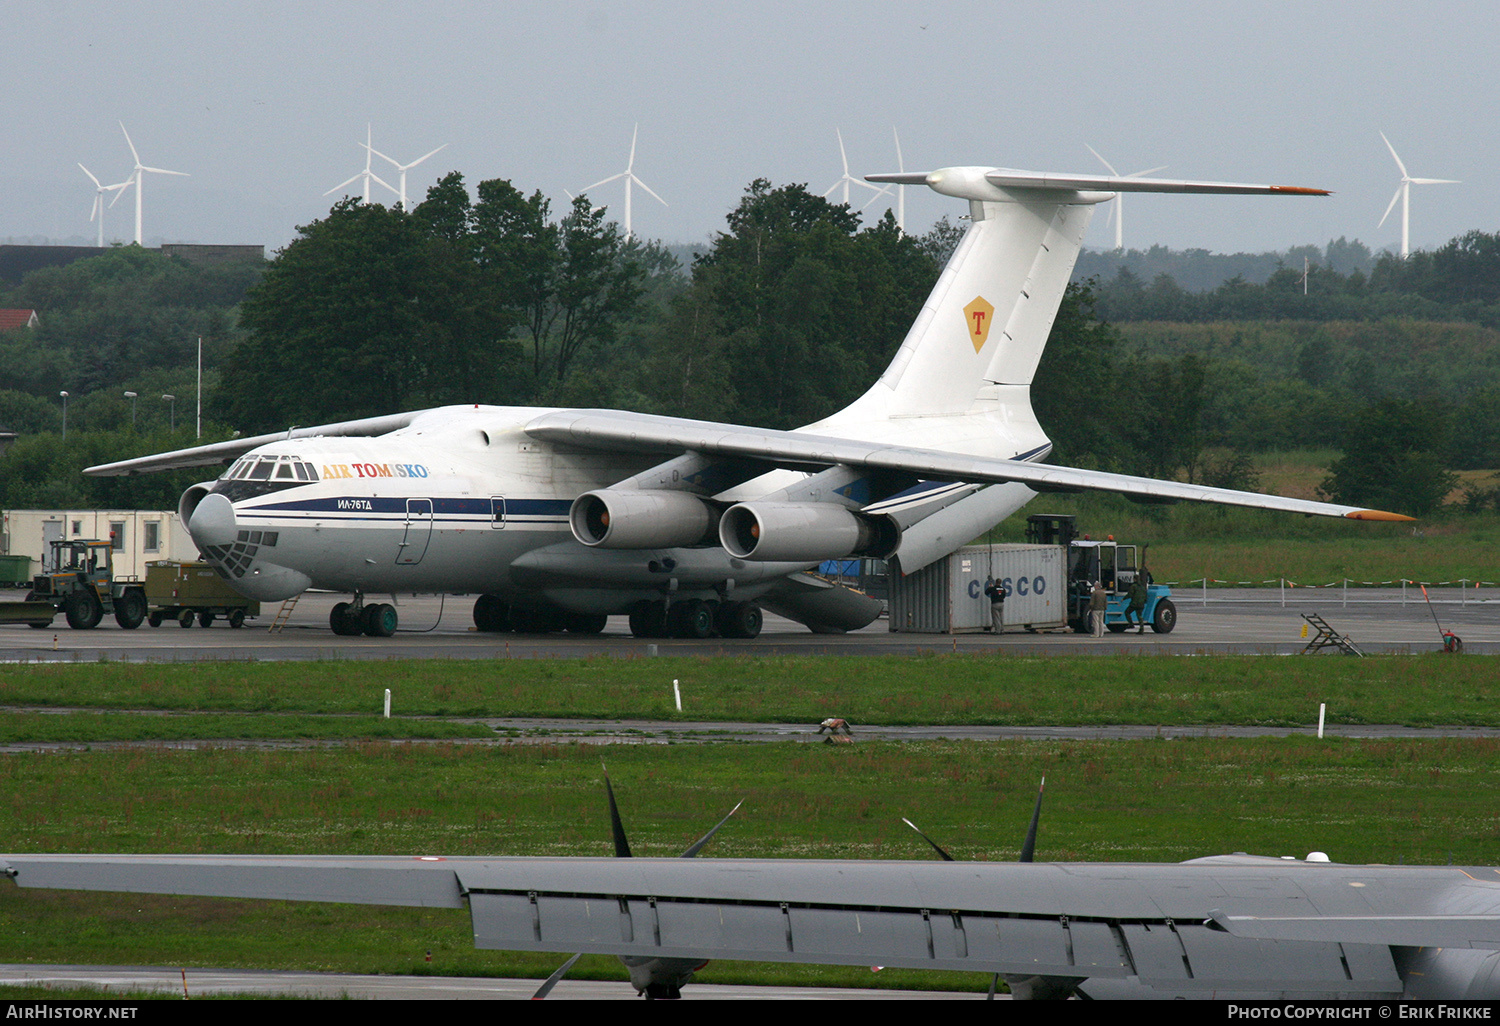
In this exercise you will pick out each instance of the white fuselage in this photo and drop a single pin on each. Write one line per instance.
(464, 501)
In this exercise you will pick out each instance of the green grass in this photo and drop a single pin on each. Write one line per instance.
(336, 699)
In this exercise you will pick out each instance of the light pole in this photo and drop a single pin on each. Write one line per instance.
(171, 401)
(131, 397)
(65, 414)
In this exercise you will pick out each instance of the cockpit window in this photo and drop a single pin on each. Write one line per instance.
(262, 471)
(284, 472)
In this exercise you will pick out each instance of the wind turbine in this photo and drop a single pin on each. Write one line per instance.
(848, 179)
(403, 168)
(1403, 193)
(1118, 213)
(137, 177)
(99, 191)
(630, 180)
(367, 174)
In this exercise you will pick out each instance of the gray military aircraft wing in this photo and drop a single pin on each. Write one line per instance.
(1232, 926)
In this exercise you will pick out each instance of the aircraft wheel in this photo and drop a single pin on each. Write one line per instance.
(204, 619)
(130, 608)
(155, 618)
(1165, 617)
(491, 614)
(533, 621)
(343, 620)
(690, 619)
(237, 618)
(380, 620)
(587, 623)
(185, 618)
(739, 620)
(648, 620)
(83, 610)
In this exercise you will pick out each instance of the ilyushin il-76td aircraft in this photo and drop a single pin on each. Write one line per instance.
(557, 519)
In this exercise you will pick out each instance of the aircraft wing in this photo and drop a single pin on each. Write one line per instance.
(612, 430)
(1182, 928)
(219, 453)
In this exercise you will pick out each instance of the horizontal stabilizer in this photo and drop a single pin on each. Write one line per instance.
(977, 183)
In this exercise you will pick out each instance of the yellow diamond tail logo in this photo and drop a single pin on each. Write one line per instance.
(978, 315)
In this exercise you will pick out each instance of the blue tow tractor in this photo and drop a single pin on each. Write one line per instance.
(1115, 565)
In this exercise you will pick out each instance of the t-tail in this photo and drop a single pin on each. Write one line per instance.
(977, 342)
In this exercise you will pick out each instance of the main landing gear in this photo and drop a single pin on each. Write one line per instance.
(377, 620)
(494, 615)
(687, 618)
(695, 618)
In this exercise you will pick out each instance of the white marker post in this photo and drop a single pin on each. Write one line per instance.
(1322, 708)
(677, 694)
(387, 703)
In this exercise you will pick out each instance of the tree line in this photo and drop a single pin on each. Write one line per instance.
(790, 313)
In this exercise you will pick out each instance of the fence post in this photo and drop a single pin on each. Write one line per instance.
(1463, 591)
(1283, 593)
(1345, 603)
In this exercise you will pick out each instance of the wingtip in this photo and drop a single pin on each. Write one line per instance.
(1377, 514)
(1297, 190)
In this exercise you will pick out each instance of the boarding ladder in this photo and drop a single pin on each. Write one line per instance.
(284, 614)
(1327, 637)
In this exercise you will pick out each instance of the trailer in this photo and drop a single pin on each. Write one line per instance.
(192, 590)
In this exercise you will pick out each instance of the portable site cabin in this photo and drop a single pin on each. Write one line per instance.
(139, 537)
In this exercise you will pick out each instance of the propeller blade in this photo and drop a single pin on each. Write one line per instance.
(91, 176)
(1435, 181)
(1102, 160)
(616, 827)
(347, 181)
(643, 185)
(1392, 206)
(697, 845)
(552, 981)
(419, 160)
(382, 156)
(134, 154)
(606, 181)
(935, 846)
(1029, 848)
(1394, 157)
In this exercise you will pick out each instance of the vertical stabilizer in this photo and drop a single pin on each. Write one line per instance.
(977, 342)
(987, 319)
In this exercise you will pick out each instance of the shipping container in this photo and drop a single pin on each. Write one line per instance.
(947, 597)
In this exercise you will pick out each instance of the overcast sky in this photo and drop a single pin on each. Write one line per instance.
(265, 106)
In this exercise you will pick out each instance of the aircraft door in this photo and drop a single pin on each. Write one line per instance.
(418, 532)
(497, 513)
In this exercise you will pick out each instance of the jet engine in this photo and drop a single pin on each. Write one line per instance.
(646, 519)
(805, 532)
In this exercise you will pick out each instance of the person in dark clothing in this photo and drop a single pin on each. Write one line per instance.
(1137, 607)
(995, 591)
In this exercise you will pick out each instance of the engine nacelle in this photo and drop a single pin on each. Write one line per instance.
(630, 519)
(805, 532)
